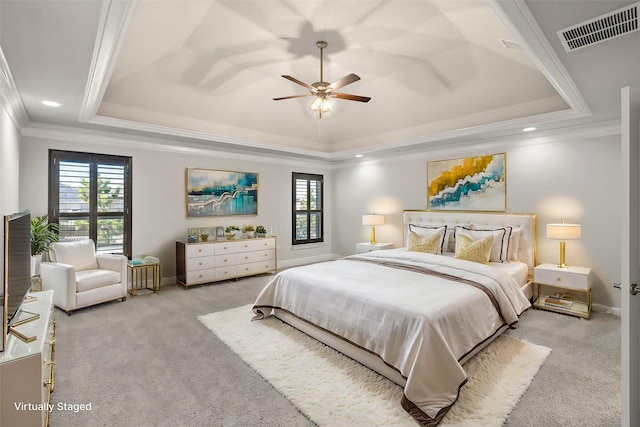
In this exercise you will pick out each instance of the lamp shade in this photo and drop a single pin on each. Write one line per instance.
(372, 219)
(563, 231)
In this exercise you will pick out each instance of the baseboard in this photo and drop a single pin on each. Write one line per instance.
(307, 260)
(605, 309)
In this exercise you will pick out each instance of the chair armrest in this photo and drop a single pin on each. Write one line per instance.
(61, 278)
(116, 263)
(112, 262)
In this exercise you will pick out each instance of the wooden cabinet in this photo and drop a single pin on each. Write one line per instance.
(206, 262)
(27, 369)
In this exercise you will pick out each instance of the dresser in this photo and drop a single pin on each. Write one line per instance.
(205, 262)
(26, 368)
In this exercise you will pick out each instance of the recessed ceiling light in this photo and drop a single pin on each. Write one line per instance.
(529, 129)
(358, 156)
(51, 103)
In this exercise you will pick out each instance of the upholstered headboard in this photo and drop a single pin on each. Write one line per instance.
(527, 222)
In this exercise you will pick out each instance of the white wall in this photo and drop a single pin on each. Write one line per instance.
(159, 194)
(576, 180)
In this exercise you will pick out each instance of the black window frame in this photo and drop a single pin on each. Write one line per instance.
(308, 177)
(94, 159)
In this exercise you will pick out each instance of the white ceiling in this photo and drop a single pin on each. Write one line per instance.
(204, 72)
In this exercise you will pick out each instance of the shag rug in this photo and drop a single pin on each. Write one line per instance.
(334, 390)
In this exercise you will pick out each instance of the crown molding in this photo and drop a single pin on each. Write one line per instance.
(114, 20)
(520, 20)
(9, 95)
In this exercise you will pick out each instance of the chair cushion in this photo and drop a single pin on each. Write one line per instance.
(81, 254)
(92, 279)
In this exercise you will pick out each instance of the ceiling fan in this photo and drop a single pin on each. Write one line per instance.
(324, 91)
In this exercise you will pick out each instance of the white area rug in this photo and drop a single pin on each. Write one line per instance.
(334, 390)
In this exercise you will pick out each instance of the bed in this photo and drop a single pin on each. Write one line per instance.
(416, 314)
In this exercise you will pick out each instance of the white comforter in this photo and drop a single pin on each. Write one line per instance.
(420, 323)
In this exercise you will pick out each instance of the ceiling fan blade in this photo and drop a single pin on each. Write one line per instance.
(346, 80)
(293, 79)
(291, 97)
(351, 97)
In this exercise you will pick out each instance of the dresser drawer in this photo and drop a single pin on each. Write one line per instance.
(263, 243)
(200, 250)
(201, 276)
(227, 247)
(200, 263)
(225, 273)
(225, 259)
(571, 278)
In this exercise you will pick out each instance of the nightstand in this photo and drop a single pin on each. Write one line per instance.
(368, 247)
(563, 290)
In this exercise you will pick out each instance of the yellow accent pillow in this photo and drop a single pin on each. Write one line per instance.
(474, 250)
(427, 244)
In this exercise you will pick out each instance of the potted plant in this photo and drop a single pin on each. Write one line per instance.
(261, 231)
(230, 231)
(204, 237)
(43, 233)
(249, 230)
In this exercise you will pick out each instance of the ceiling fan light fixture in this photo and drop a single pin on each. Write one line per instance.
(321, 104)
(323, 91)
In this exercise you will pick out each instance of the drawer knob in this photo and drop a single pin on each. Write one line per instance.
(559, 279)
(199, 250)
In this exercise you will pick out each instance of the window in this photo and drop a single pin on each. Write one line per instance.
(307, 208)
(90, 198)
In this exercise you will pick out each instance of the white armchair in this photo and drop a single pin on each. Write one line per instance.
(79, 277)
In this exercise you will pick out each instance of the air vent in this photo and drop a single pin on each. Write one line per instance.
(608, 26)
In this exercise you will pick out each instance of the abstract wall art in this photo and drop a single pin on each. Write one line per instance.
(221, 193)
(468, 184)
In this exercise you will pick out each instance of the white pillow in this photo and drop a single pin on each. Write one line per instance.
(426, 231)
(449, 244)
(507, 242)
(498, 253)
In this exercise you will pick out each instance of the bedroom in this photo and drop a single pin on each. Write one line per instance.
(545, 175)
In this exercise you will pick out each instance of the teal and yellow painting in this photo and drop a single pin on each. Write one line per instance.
(221, 193)
(467, 184)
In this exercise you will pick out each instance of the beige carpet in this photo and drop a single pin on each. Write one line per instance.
(334, 390)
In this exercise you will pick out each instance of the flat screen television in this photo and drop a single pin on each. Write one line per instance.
(17, 265)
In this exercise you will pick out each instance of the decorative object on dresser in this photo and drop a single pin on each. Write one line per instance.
(368, 247)
(139, 269)
(563, 232)
(81, 277)
(231, 231)
(563, 289)
(221, 193)
(206, 262)
(468, 184)
(27, 368)
(261, 231)
(373, 220)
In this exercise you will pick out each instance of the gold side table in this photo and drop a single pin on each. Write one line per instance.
(141, 272)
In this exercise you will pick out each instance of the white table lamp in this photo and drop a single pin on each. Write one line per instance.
(373, 220)
(563, 232)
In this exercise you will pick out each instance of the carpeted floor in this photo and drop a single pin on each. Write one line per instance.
(149, 362)
(339, 391)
